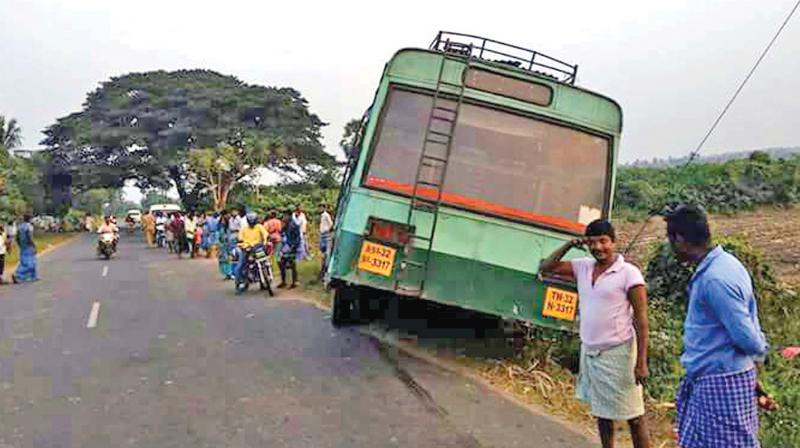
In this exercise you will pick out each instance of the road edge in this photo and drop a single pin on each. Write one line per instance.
(50, 248)
(455, 368)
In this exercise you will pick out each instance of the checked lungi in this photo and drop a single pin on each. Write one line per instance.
(718, 411)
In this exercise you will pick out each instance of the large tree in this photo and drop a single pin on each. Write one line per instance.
(220, 168)
(143, 126)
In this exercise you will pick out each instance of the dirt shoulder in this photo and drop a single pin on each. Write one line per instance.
(773, 231)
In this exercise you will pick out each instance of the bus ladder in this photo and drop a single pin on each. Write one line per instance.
(426, 195)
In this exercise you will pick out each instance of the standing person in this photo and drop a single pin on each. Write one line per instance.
(169, 235)
(274, 227)
(190, 226)
(325, 228)
(11, 235)
(211, 235)
(226, 247)
(291, 250)
(235, 222)
(243, 218)
(722, 342)
(26, 270)
(201, 231)
(178, 228)
(3, 249)
(149, 227)
(613, 331)
(300, 219)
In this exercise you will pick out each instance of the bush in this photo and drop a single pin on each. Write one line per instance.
(284, 198)
(73, 220)
(729, 187)
(779, 312)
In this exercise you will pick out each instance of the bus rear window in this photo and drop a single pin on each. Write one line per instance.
(501, 163)
(530, 92)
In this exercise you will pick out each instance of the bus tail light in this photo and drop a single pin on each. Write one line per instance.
(388, 232)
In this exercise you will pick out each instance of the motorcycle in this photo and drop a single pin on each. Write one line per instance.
(161, 235)
(106, 246)
(257, 269)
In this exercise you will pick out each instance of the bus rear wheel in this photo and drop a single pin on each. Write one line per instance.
(346, 309)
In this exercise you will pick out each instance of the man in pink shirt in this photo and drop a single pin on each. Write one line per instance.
(613, 331)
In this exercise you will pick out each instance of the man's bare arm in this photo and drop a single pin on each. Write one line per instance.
(638, 298)
(553, 263)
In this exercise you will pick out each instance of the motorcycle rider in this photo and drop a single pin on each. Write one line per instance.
(161, 227)
(109, 227)
(250, 235)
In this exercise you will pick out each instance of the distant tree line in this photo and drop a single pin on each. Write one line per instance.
(732, 186)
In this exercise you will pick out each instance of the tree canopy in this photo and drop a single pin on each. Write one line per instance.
(10, 134)
(219, 168)
(21, 186)
(143, 126)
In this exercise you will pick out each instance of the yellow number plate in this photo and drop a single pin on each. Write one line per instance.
(376, 258)
(560, 304)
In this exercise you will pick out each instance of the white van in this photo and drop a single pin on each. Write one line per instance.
(165, 208)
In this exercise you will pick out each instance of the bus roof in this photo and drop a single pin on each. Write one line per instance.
(420, 67)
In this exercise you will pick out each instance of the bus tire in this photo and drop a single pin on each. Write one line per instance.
(344, 310)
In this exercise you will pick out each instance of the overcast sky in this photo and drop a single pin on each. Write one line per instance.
(672, 65)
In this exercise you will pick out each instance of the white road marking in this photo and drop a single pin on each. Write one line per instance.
(105, 270)
(93, 315)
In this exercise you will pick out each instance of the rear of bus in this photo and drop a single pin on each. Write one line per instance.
(526, 172)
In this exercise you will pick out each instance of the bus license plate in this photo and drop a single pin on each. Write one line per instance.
(376, 258)
(560, 304)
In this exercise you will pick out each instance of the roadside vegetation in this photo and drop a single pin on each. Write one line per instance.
(44, 241)
(730, 187)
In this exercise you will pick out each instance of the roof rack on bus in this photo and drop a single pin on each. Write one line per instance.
(488, 49)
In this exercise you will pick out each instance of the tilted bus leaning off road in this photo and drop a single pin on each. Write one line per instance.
(466, 173)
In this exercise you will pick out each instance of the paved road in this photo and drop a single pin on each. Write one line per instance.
(175, 359)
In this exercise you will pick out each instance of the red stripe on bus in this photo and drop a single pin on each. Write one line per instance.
(475, 203)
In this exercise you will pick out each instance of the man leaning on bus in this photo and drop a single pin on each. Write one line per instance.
(613, 331)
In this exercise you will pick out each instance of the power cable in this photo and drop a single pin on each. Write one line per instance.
(693, 155)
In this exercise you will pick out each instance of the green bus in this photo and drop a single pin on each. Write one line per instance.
(475, 160)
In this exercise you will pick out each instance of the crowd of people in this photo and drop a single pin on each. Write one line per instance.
(226, 235)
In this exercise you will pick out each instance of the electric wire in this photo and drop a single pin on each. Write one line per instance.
(693, 155)
(744, 82)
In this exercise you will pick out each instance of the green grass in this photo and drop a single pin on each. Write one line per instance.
(43, 242)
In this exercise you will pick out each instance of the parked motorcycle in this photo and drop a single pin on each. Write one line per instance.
(106, 245)
(257, 269)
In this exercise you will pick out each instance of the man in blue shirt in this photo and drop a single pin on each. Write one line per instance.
(722, 341)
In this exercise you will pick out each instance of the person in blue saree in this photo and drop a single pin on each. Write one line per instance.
(227, 246)
(26, 270)
(211, 235)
